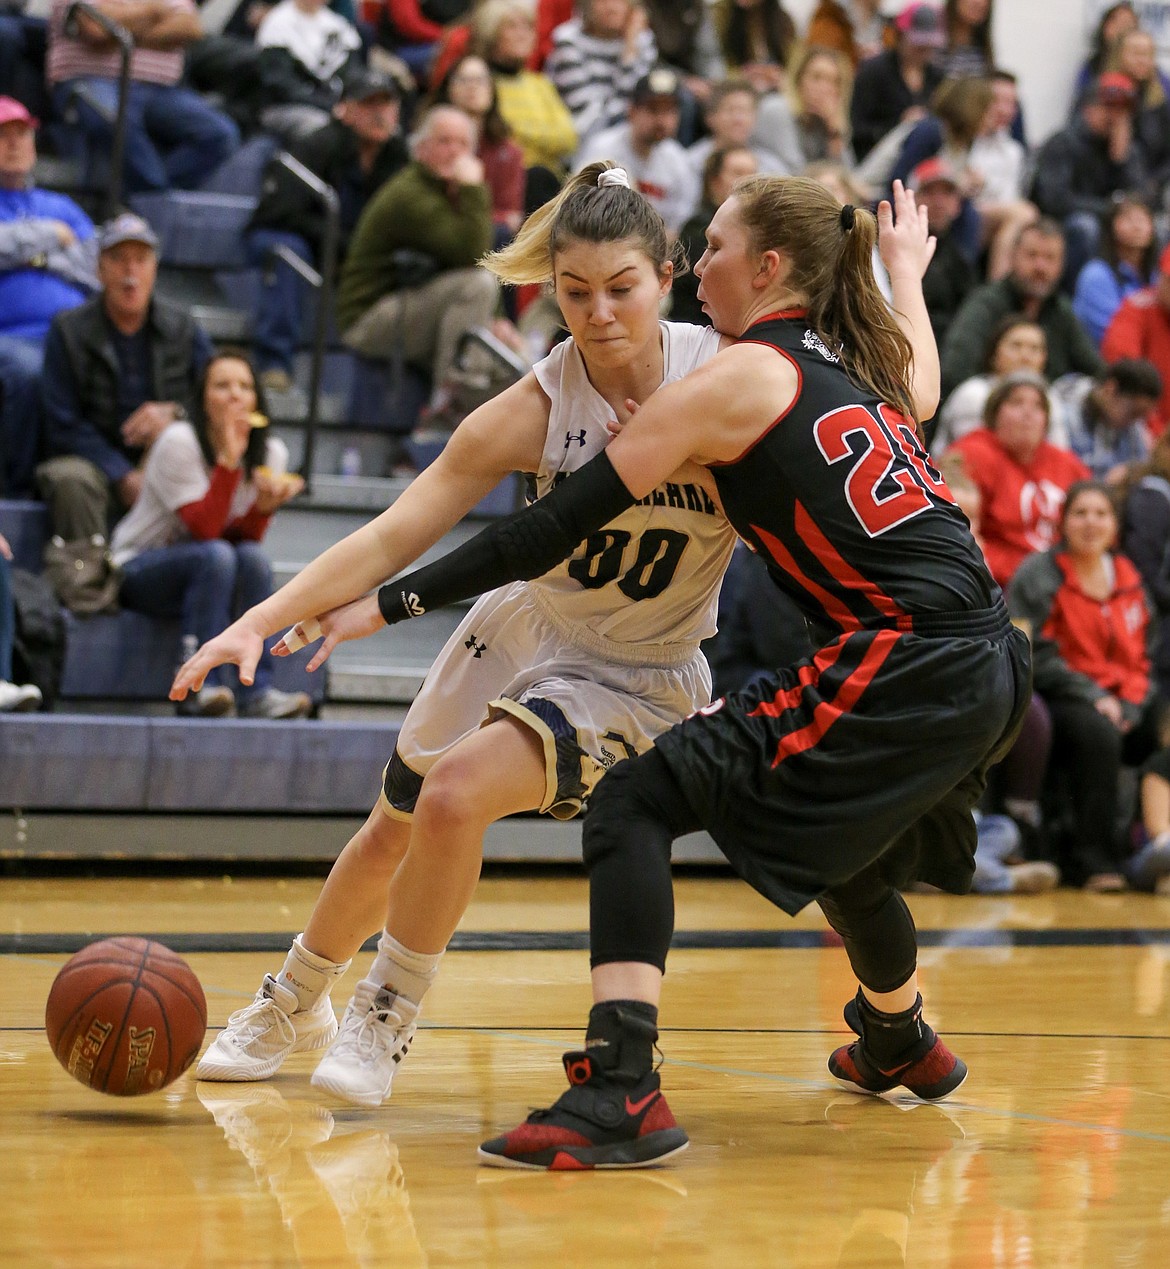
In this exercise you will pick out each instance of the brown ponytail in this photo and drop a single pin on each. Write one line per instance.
(833, 266)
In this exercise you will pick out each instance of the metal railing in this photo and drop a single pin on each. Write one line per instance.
(125, 43)
(322, 281)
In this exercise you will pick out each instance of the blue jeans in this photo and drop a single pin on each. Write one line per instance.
(998, 838)
(276, 327)
(173, 137)
(7, 620)
(20, 412)
(207, 585)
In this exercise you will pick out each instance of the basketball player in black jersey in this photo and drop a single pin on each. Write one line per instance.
(841, 778)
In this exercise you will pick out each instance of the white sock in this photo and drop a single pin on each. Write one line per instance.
(308, 975)
(404, 972)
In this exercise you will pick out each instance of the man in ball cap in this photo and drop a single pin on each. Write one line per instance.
(356, 152)
(950, 277)
(118, 369)
(1080, 168)
(894, 87)
(646, 147)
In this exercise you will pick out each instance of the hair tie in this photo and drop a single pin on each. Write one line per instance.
(613, 176)
(847, 217)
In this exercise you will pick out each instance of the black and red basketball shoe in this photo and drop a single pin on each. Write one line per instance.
(598, 1122)
(925, 1066)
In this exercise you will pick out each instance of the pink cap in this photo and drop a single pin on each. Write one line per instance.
(13, 111)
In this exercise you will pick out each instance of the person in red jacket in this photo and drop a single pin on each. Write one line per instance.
(1089, 618)
(1022, 477)
(1141, 328)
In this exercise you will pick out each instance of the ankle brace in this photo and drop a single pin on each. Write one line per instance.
(408, 974)
(620, 1038)
(888, 1036)
(308, 975)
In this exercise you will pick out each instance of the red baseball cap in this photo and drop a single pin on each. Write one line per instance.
(922, 24)
(933, 171)
(1112, 88)
(13, 111)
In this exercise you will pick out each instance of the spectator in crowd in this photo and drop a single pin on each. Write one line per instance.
(14, 697)
(1141, 328)
(811, 123)
(687, 40)
(190, 545)
(757, 38)
(410, 33)
(1021, 476)
(1145, 539)
(950, 276)
(1090, 623)
(1104, 416)
(1134, 54)
(504, 35)
(596, 60)
(306, 50)
(998, 165)
(732, 120)
(1148, 868)
(410, 284)
(957, 113)
(1080, 168)
(725, 165)
(469, 86)
(1000, 867)
(173, 137)
(1032, 289)
(645, 146)
(22, 55)
(968, 49)
(1113, 23)
(48, 263)
(356, 152)
(855, 28)
(1017, 343)
(118, 369)
(1126, 258)
(894, 86)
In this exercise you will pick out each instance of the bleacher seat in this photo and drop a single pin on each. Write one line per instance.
(74, 762)
(127, 656)
(197, 230)
(243, 171)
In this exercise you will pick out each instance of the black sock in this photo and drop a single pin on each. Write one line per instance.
(620, 1038)
(887, 1036)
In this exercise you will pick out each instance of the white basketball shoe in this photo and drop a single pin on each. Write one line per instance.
(260, 1036)
(376, 1033)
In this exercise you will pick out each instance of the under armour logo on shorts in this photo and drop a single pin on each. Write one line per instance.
(480, 648)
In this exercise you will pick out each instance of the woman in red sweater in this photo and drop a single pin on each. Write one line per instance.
(1089, 618)
(190, 545)
(1022, 477)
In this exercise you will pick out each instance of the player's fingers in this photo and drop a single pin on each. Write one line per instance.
(248, 667)
(885, 217)
(298, 637)
(322, 654)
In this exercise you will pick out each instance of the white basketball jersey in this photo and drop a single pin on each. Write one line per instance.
(652, 575)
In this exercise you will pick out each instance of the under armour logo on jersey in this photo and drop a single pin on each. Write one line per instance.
(814, 343)
(413, 604)
(579, 437)
(480, 648)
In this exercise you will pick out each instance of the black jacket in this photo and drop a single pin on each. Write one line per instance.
(332, 154)
(1074, 173)
(881, 97)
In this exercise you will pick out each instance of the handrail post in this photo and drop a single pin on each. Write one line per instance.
(327, 195)
(125, 43)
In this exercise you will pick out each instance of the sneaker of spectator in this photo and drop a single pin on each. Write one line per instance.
(208, 702)
(273, 703)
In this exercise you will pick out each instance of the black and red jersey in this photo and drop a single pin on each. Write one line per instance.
(843, 503)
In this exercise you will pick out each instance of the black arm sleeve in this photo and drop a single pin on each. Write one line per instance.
(518, 547)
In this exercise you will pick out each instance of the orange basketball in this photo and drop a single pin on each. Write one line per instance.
(125, 1016)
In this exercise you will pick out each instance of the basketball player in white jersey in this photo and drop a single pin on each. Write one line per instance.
(544, 685)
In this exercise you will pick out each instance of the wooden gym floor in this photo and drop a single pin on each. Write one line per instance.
(1055, 1152)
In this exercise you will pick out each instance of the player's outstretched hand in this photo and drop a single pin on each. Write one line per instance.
(238, 645)
(351, 621)
(905, 242)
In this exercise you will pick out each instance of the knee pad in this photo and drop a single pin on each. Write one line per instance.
(636, 802)
(879, 939)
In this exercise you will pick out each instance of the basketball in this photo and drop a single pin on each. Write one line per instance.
(125, 1016)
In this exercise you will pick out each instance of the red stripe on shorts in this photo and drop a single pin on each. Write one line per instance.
(789, 698)
(848, 694)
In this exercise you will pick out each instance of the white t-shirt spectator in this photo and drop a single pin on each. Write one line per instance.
(665, 177)
(320, 41)
(176, 475)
